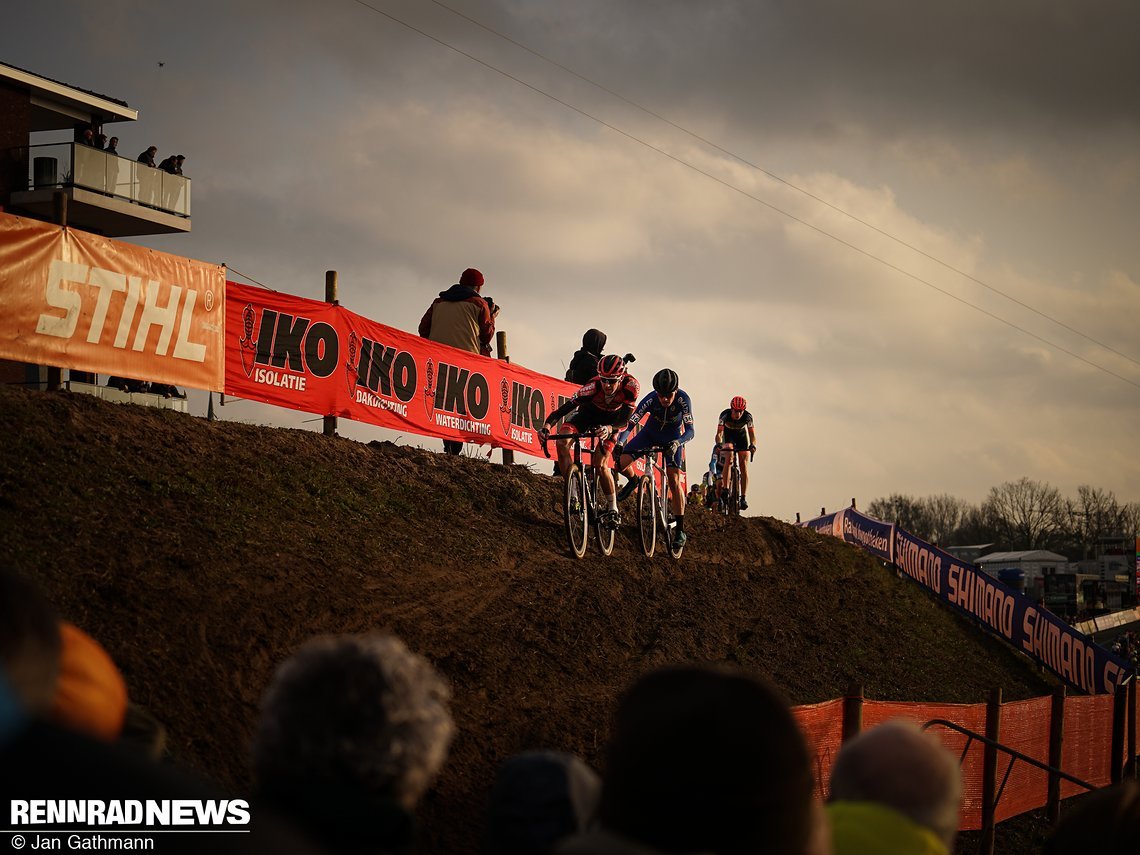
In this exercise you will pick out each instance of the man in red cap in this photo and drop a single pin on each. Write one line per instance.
(461, 318)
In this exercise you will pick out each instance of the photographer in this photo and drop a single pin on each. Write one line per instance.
(463, 318)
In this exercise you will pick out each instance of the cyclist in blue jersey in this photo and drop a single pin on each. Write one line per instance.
(670, 426)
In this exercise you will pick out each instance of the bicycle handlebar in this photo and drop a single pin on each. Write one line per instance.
(586, 434)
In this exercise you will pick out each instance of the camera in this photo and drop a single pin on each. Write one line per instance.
(490, 304)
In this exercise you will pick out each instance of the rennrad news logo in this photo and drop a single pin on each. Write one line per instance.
(181, 813)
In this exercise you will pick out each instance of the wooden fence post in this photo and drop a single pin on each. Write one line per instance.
(331, 297)
(1130, 765)
(989, 772)
(852, 712)
(1056, 744)
(59, 206)
(1119, 713)
(501, 347)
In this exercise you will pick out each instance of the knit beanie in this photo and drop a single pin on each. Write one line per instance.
(91, 696)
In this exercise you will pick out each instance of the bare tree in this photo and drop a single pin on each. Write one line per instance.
(1027, 512)
(1130, 513)
(1093, 515)
(944, 515)
(904, 511)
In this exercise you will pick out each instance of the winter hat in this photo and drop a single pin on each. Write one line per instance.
(91, 696)
(472, 278)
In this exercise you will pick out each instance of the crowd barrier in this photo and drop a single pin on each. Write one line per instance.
(1088, 737)
(1032, 629)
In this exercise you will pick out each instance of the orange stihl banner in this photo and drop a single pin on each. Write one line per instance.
(323, 359)
(77, 300)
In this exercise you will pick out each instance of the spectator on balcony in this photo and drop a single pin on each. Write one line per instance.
(147, 157)
(173, 164)
(87, 137)
(112, 146)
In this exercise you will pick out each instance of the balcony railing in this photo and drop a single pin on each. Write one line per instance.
(62, 165)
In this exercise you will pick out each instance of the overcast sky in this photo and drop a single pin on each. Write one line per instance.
(908, 233)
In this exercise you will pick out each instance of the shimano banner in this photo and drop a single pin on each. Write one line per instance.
(1032, 629)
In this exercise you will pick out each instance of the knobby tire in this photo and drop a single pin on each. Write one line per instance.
(647, 514)
(604, 532)
(576, 514)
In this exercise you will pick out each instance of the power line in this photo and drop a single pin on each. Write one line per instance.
(763, 202)
(781, 180)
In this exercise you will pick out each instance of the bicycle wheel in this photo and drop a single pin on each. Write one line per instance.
(663, 515)
(604, 531)
(647, 514)
(734, 493)
(575, 512)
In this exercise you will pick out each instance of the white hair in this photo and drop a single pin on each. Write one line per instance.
(359, 711)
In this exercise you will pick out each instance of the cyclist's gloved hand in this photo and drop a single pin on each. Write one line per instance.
(751, 453)
(543, 433)
(672, 449)
(604, 432)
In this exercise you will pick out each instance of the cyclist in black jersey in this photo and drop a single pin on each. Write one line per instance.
(735, 434)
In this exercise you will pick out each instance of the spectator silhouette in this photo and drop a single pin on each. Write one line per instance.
(30, 643)
(584, 363)
(539, 798)
(703, 759)
(462, 318)
(112, 146)
(128, 384)
(894, 789)
(353, 731)
(1106, 822)
(148, 181)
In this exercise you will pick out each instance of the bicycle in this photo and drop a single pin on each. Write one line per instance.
(653, 505)
(730, 503)
(581, 496)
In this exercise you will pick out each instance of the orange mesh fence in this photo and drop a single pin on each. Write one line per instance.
(1024, 728)
(969, 752)
(1021, 787)
(1088, 740)
(822, 726)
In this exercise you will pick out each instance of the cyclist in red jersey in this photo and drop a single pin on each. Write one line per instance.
(735, 434)
(606, 402)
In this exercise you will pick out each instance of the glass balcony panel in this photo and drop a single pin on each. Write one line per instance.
(61, 165)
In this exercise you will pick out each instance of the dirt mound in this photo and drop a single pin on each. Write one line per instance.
(200, 554)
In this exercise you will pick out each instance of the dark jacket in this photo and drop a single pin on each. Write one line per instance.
(584, 364)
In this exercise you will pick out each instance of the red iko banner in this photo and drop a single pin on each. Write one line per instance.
(320, 358)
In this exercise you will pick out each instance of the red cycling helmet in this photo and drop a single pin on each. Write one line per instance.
(611, 367)
(738, 403)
